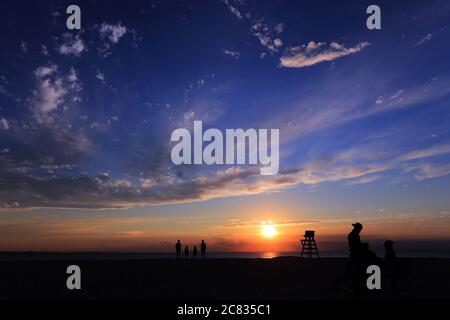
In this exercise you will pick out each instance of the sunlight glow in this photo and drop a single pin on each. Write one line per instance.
(269, 231)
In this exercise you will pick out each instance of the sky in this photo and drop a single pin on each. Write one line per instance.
(86, 118)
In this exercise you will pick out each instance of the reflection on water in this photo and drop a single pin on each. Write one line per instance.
(269, 255)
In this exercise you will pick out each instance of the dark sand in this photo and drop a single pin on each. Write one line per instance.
(279, 278)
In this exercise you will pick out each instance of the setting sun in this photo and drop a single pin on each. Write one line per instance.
(269, 231)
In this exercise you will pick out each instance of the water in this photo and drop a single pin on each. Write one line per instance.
(211, 255)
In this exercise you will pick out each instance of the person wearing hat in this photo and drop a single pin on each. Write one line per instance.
(353, 270)
(354, 241)
(355, 267)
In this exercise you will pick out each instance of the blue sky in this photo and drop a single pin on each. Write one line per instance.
(86, 116)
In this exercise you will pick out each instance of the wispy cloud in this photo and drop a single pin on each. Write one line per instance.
(429, 170)
(4, 125)
(51, 90)
(44, 50)
(279, 28)
(425, 39)
(113, 32)
(135, 150)
(233, 9)
(100, 76)
(24, 46)
(72, 45)
(266, 35)
(48, 96)
(251, 223)
(317, 112)
(425, 153)
(365, 179)
(231, 53)
(313, 53)
(105, 192)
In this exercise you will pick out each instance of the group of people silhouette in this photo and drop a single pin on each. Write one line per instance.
(361, 257)
(194, 251)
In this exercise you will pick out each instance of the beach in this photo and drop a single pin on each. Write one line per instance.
(283, 278)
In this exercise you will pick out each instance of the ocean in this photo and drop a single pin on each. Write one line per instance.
(9, 256)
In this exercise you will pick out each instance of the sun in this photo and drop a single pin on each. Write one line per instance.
(269, 231)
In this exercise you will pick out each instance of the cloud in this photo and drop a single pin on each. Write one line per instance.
(425, 39)
(231, 53)
(425, 153)
(104, 192)
(3, 84)
(279, 28)
(113, 32)
(364, 179)
(23, 46)
(340, 106)
(48, 97)
(51, 91)
(379, 100)
(233, 9)
(277, 42)
(44, 50)
(100, 76)
(72, 45)
(72, 77)
(266, 36)
(147, 183)
(225, 243)
(313, 53)
(429, 170)
(45, 71)
(251, 223)
(4, 125)
(3, 90)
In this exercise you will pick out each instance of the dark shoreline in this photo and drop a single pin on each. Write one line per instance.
(282, 278)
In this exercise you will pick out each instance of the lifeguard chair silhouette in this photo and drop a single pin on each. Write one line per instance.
(309, 246)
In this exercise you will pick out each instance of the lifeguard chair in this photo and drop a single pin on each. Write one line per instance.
(309, 246)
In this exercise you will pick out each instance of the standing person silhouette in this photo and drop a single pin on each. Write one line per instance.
(194, 252)
(390, 253)
(178, 248)
(203, 248)
(186, 252)
(390, 264)
(354, 243)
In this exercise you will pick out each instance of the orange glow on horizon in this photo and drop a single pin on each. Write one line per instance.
(255, 230)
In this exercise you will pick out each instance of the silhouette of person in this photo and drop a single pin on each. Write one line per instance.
(368, 257)
(178, 248)
(203, 248)
(355, 267)
(390, 253)
(186, 252)
(390, 264)
(354, 241)
(194, 252)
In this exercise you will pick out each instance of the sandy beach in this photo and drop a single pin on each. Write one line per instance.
(286, 278)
